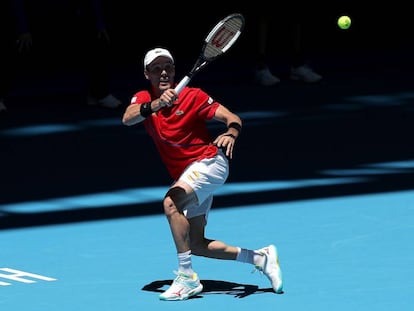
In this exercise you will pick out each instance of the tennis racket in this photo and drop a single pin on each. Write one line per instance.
(217, 42)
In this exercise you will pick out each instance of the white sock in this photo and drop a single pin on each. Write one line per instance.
(250, 256)
(245, 255)
(184, 263)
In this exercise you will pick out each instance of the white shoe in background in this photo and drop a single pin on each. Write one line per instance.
(265, 78)
(3, 107)
(305, 74)
(108, 101)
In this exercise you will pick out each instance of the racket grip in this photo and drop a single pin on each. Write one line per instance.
(183, 83)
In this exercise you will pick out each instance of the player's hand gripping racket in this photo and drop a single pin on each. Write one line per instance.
(217, 42)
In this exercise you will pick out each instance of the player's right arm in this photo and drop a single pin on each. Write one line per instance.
(132, 115)
(137, 112)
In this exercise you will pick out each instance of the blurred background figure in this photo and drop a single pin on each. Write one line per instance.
(16, 46)
(95, 41)
(287, 32)
(57, 34)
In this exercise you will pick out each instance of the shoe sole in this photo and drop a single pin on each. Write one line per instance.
(273, 250)
(194, 292)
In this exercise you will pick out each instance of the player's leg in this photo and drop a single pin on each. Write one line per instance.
(177, 198)
(186, 283)
(265, 260)
(190, 198)
(202, 246)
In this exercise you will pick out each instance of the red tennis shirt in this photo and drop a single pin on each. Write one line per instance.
(180, 132)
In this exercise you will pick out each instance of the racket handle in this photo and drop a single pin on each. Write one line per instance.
(183, 83)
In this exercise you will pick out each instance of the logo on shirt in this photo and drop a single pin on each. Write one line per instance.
(179, 112)
(210, 101)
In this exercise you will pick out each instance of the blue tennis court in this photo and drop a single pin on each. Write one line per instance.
(338, 253)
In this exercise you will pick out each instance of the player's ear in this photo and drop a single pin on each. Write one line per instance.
(146, 74)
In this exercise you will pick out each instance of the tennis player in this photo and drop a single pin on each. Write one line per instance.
(198, 164)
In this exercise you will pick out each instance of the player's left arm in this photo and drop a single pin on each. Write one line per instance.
(234, 125)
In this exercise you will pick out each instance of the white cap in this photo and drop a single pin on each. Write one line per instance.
(154, 53)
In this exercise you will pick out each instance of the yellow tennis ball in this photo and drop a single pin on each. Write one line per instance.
(344, 22)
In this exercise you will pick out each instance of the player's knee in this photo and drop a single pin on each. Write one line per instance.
(174, 200)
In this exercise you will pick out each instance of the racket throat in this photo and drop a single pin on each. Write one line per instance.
(184, 81)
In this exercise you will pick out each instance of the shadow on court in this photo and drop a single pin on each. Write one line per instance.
(214, 287)
(361, 184)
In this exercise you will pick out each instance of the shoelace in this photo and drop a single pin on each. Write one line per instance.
(260, 268)
(182, 277)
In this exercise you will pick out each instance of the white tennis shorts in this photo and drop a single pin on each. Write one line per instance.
(204, 177)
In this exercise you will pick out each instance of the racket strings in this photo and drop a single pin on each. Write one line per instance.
(222, 37)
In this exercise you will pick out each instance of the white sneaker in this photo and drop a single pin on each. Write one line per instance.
(265, 77)
(2, 106)
(305, 74)
(108, 101)
(183, 287)
(270, 267)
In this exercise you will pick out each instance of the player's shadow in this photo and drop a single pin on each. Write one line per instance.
(214, 287)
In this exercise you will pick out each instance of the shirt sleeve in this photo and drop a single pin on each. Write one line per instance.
(141, 97)
(207, 105)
